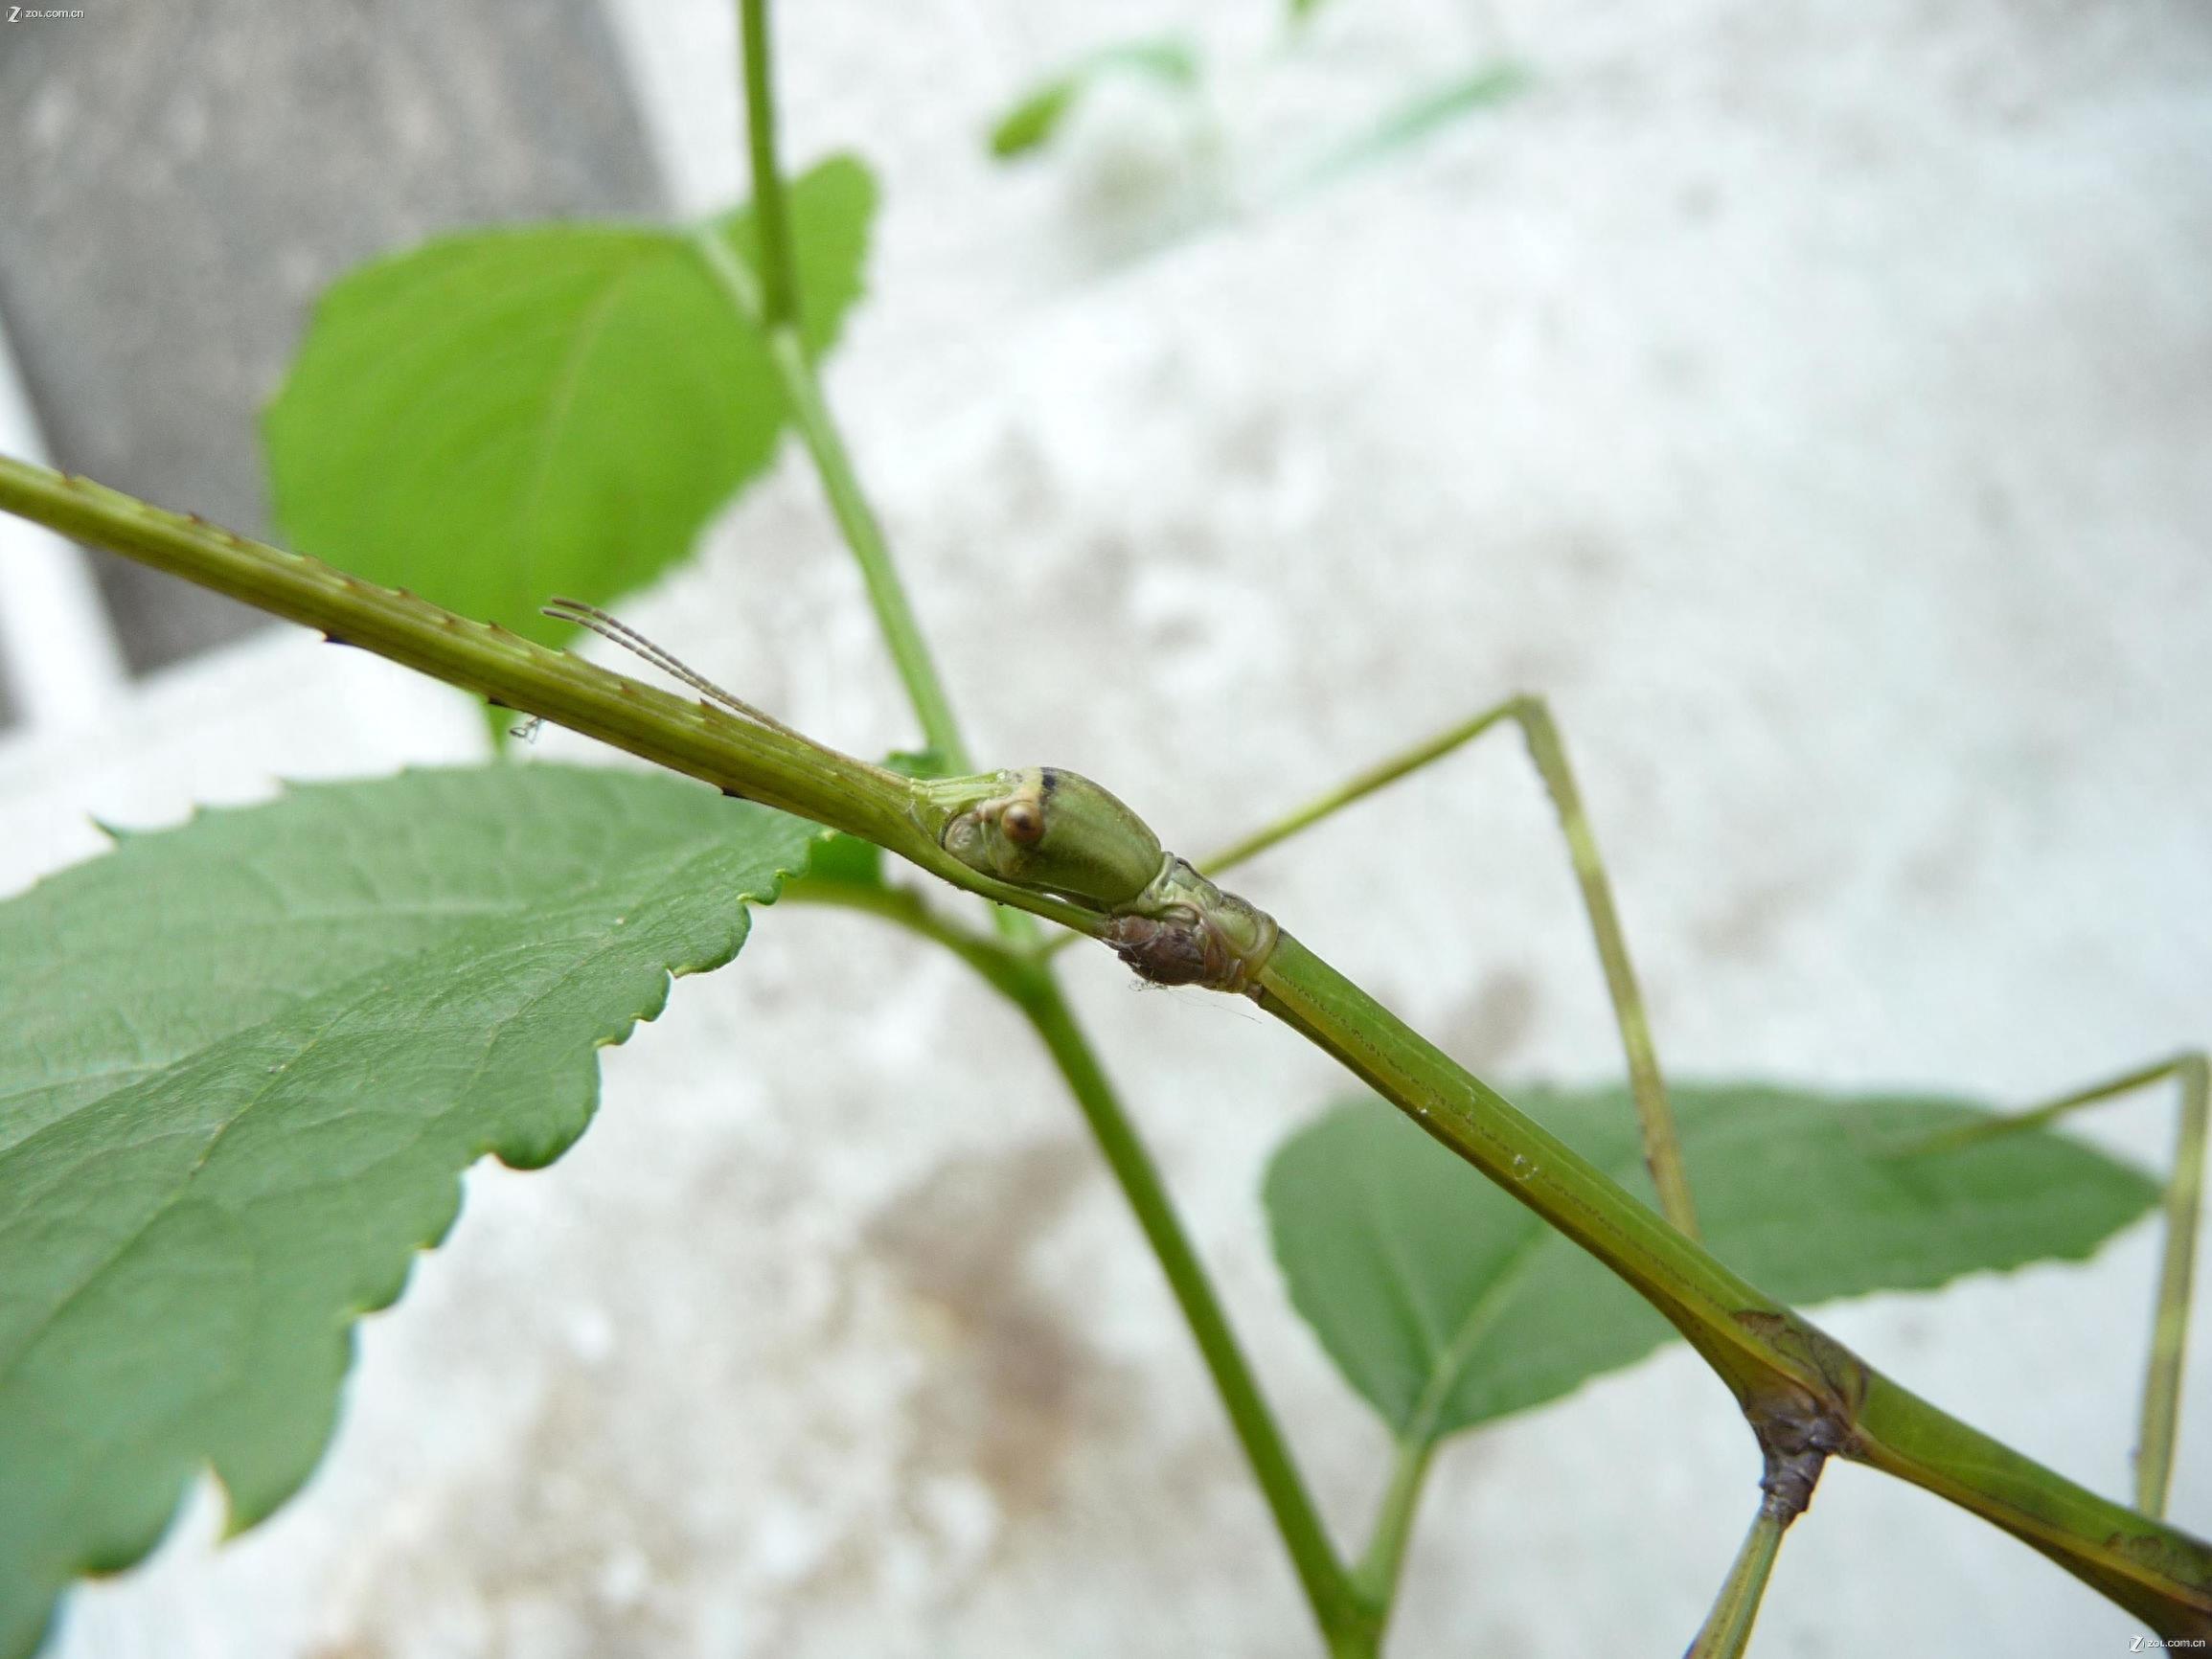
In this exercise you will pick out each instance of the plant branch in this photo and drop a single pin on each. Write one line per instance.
(779, 276)
(771, 305)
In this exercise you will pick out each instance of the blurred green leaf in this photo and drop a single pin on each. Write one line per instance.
(1033, 120)
(251, 1057)
(1422, 116)
(1445, 1304)
(499, 417)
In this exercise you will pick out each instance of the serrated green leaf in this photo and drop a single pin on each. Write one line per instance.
(249, 1059)
(1445, 1304)
(1036, 115)
(499, 417)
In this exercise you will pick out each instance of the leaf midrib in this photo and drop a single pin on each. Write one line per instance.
(1481, 1317)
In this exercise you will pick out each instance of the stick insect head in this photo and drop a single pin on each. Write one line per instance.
(1050, 830)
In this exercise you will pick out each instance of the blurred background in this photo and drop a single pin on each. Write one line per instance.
(1815, 400)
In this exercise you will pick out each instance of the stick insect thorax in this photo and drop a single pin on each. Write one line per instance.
(1047, 830)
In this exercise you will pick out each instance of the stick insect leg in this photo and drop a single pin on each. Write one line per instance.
(2183, 1204)
(1662, 1147)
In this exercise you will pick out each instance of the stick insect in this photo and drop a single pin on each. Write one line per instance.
(1052, 830)
(1057, 845)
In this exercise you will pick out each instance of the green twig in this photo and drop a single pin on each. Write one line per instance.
(779, 279)
(771, 304)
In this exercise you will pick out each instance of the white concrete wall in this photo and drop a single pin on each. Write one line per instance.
(1813, 400)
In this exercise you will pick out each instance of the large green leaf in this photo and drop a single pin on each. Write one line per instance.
(496, 418)
(1446, 1304)
(248, 1060)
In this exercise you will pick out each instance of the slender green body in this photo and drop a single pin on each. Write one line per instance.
(1776, 1363)
(2162, 1575)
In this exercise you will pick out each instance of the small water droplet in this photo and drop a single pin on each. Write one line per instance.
(1522, 1167)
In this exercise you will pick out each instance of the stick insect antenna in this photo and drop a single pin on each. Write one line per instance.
(608, 627)
(611, 628)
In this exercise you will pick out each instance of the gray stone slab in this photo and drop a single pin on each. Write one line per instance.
(182, 181)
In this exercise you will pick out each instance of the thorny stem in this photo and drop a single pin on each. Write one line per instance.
(1027, 981)
(2159, 1422)
(1654, 1112)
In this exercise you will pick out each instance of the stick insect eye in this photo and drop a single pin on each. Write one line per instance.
(1022, 823)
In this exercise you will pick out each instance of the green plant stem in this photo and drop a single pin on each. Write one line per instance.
(771, 305)
(863, 535)
(904, 907)
(778, 276)
(1727, 1628)
(1349, 1621)
(1765, 1352)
